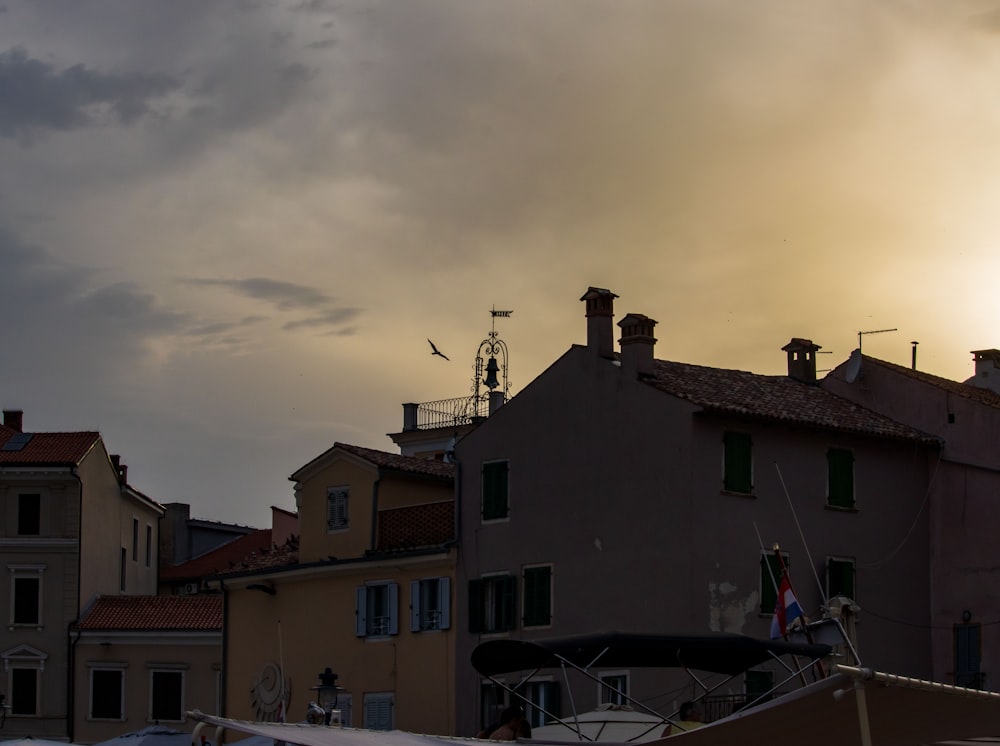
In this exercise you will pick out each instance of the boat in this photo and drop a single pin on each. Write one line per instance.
(833, 704)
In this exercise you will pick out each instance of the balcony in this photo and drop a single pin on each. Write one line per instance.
(464, 410)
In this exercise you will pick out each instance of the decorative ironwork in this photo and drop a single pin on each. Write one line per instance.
(492, 348)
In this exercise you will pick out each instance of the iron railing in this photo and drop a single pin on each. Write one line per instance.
(451, 412)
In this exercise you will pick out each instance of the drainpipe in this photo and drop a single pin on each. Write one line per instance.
(71, 667)
(225, 649)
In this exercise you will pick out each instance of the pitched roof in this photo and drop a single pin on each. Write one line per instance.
(965, 390)
(286, 554)
(221, 558)
(776, 398)
(394, 461)
(203, 612)
(48, 448)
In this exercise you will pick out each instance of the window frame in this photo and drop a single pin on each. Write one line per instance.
(737, 462)
(162, 671)
(841, 488)
(536, 596)
(423, 616)
(338, 502)
(21, 574)
(107, 669)
(541, 698)
(841, 562)
(29, 514)
(609, 694)
(493, 603)
(494, 478)
(367, 596)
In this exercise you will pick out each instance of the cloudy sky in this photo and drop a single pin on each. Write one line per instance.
(227, 229)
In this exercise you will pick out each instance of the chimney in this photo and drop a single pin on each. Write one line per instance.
(802, 359)
(14, 419)
(120, 469)
(637, 344)
(497, 399)
(987, 370)
(600, 311)
(410, 417)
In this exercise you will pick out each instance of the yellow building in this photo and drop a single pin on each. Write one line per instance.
(367, 593)
(71, 528)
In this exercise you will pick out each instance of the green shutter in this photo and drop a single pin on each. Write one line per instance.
(537, 596)
(840, 470)
(738, 468)
(494, 490)
(840, 578)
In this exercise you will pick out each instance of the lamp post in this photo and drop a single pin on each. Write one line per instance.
(325, 712)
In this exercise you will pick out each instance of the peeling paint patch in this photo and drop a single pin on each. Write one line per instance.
(727, 610)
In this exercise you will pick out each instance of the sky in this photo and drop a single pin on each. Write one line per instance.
(228, 229)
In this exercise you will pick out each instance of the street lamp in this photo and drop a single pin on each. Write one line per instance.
(325, 712)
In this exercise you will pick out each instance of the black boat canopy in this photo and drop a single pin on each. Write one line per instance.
(718, 653)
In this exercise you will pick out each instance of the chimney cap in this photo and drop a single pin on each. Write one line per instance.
(593, 292)
(800, 343)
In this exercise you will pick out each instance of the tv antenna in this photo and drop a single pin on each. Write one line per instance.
(873, 331)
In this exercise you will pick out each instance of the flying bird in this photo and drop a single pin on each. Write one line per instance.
(437, 351)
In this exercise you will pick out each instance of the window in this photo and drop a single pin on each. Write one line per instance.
(377, 611)
(840, 577)
(166, 696)
(968, 652)
(737, 474)
(29, 515)
(24, 691)
(27, 608)
(121, 571)
(107, 693)
(378, 711)
(543, 702)
(495, 496)
(537, 596)
(135, 539)
(492, 701)
(770, 577)
(336, 508)
(491, 603)
(613, 688)
(758, 685)
(430, 604)
(149, 546)
(840, 478)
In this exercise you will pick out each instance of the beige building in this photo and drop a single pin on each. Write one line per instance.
(140, 660)
(71, 528)
(367, 593)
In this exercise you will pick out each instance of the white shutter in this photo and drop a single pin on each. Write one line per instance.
(361, 612)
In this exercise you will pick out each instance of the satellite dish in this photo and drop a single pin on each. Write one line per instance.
(853, 366)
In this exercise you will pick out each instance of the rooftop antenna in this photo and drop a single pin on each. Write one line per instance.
(873, 331)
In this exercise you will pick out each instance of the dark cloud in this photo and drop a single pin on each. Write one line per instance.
(35, 97)
(333, 317)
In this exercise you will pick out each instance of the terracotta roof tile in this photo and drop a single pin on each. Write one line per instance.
(221, 558)
(777, 398)
(965, 390)
(286, 554)
(203, 612)
(395, 461)
(48, 448)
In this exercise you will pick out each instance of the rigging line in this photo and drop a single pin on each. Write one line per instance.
(916, 518)
(812, 565)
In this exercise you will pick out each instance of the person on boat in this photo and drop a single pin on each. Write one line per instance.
(513, 725)
(690, 718)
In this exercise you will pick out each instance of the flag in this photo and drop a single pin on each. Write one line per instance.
(786, 609)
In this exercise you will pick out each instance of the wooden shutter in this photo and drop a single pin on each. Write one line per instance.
(738, 463)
